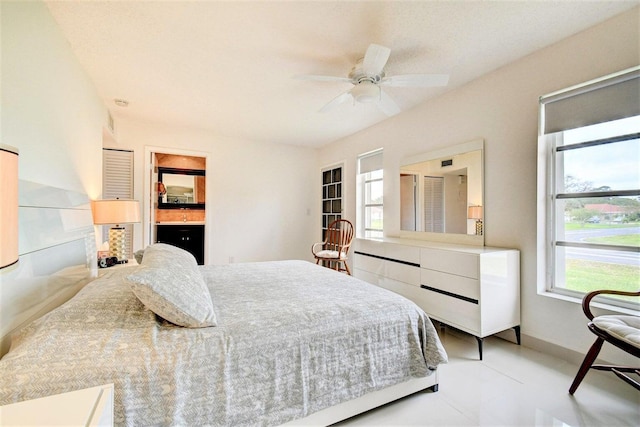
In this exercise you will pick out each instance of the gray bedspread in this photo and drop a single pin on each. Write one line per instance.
(292, 338)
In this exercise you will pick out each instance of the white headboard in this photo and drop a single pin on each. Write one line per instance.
(57, 256)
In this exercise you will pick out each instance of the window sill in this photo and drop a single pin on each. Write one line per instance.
(614, 309)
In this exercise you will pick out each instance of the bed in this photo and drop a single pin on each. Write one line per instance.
(267, 343)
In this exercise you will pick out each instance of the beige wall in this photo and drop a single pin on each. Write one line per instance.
(502, 108)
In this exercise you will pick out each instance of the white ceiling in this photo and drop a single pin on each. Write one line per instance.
(227, 66)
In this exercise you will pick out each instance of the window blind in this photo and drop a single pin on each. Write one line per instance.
(117, 183)
(370, 162)
(612, 98)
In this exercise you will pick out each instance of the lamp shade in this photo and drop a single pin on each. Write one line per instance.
(117, 211)
(475, 212)
(8, 206)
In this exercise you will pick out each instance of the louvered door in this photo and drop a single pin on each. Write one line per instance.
(434, 204)
(117, 183)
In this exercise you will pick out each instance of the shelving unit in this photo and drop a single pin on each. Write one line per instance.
(331, 197)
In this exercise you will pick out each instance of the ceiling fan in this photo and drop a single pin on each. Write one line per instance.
(368, 76)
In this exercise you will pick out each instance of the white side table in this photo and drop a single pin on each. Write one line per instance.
(87, 407)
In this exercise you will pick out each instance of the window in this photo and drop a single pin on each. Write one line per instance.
(589, 187)
(370, 191)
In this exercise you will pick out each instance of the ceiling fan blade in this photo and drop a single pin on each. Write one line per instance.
(416, 80)
(322, 78)
(387, 105)
(375, 59)
(343, 97)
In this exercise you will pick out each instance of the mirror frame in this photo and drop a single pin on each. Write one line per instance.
(176, 171)
(466, 239)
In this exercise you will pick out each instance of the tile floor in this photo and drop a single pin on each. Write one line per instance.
(512, 386)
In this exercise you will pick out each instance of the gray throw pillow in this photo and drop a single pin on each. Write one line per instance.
(169, 283)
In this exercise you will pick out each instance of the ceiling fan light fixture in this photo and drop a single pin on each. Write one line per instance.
(366, 92)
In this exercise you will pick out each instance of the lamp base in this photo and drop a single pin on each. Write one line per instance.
(479, 229)
(118, 244)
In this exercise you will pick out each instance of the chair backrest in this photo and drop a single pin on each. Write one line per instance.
(339, 235)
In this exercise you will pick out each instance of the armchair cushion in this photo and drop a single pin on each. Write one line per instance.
(625, 328)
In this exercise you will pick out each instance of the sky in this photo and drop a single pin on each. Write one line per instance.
(616, 165)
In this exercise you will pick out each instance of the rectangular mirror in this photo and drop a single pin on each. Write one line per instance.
(181, 188)
(442, 191)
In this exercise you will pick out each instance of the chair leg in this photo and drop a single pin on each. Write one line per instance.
(346, 266)
(586, 364)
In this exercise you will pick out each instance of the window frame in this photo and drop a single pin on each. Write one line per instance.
(364, 179)
(549, 195)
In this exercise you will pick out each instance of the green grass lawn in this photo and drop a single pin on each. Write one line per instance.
(581, 226)
(586, 276)
(625, 240)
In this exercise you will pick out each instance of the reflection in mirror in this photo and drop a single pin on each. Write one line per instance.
(438, 189)
(181, 188)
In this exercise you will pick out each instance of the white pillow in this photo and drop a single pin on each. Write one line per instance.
(169, 283)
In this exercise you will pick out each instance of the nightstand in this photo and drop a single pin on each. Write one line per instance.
(87, 407)
(131, 263)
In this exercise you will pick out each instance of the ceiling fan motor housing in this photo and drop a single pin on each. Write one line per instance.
(366, 87)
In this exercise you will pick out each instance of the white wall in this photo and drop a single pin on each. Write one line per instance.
(260, 204)
(502, 107)
(50, 109)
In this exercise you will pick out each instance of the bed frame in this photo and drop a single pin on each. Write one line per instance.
(57, 256)
(367, 402)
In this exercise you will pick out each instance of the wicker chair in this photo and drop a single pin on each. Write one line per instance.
(623, 331)
(335, 247)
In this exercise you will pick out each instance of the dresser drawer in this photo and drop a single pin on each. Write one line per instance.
(387, 268)
(458, 313)
(372, 264)
(388, 251)
(451, 284)
(402, 272)
(407, 254)
(371, 247)
(459, 263)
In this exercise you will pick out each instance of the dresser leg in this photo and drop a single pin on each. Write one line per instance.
(517, 330)
(479, 346)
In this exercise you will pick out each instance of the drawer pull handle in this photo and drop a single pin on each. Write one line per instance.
(450, 294)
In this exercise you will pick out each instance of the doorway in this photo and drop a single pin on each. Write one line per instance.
(176, 211)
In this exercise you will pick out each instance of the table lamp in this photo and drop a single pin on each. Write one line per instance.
(8, 206)
(117, 212)
(475, 212)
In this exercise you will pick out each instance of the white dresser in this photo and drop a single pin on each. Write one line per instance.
(475, 289)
